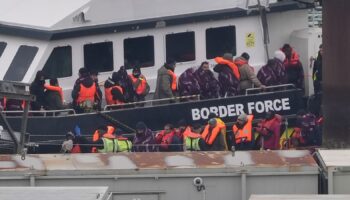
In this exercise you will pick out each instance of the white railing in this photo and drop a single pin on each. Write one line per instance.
(147, 102)
(41, 113)
(269, 89)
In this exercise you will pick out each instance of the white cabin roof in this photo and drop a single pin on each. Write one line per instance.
(59, 14)
(55, 20)
(38, 13)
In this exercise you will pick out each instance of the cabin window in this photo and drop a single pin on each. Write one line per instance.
(220, 40)
(59, 64)
(99, 56)
(20, 63)
(139, 52)
(2, 47)
(180, 47)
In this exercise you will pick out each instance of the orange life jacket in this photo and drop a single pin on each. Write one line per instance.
(294, 59)
(140, 84)
(239, 62)
(173, 80)
(209, 138)
(165, 139)
(86, 93)
(189, 133)
(109, 96)
(233, 66)
(245, 133)
(96, 136)
(55, 88)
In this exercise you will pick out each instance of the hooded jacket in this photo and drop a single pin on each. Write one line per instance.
(87, 82)
(163, 86)
(37, 88)
(248, 78)
(228, 78)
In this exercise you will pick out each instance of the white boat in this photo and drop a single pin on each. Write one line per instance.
(61, 36)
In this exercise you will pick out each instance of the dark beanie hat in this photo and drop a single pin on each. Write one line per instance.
(245, 55)
(228, 56)
(115, 77)
(83, 71)
(212, 115)
(140, 126)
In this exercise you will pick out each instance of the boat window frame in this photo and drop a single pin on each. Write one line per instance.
(145, 64)
(110, 58)
(21, 63)
(55, 68)
(3, 46)
(172, 57)
(220, 52)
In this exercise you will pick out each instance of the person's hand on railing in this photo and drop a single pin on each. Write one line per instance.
(262, 87)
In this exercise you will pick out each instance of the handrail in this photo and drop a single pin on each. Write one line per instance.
(283, 86)
(110, 107)
(41, 112)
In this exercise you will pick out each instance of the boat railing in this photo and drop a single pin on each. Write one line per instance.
(41, 113)
(273, 88)
(152, 102)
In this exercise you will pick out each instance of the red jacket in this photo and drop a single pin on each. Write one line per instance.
(270, 131)
(165, 140)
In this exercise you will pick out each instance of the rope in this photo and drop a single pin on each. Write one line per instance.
(116, 122)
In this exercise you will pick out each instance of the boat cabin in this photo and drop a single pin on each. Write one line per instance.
(59, 37)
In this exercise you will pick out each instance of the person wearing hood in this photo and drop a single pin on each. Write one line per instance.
(114, 93)
(209, 86)
(84, 92)
(293, 66)
(274, 73)
(125, 82)
(53, 95)
(139, 83)
(269, 130)
(248, 77)
(166, 84)
(94, 76)
(188, 84)
(144, 140)
(243, 132)
(229, 75)
(213, 136)
(37, 88)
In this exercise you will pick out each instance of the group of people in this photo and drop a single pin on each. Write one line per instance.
(49, 96)
(234, 76)
(120, 88)
(245, 134)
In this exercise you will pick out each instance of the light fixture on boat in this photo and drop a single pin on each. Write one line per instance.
(80, 17)
(160, 24)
